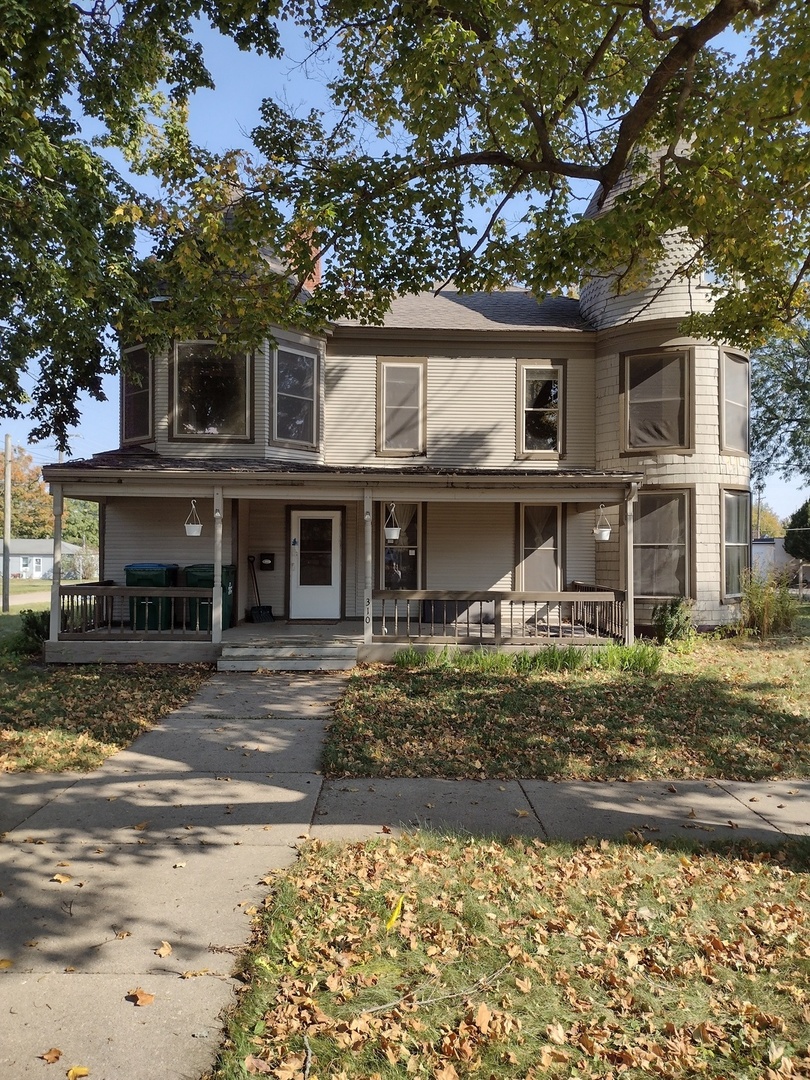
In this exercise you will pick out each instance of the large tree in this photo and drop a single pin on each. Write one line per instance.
(464, 140)
(471, 133)
(67, 216)
(31, 508)
(780, 400)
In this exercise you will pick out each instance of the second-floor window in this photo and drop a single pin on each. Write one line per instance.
(735, 403)
(136, 391)
(211, 393)
(401, 407)
(295, 411)
(656, 402)
(540, 410)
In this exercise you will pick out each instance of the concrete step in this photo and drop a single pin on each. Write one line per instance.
(309, 664)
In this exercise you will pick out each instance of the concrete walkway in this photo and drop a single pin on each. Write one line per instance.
(169, 841)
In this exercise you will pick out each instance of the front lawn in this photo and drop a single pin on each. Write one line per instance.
(731, 709)
(442, 958)
(56, 718)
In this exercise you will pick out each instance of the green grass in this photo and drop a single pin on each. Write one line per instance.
(737, 709)
(444, 958)
(28, 585)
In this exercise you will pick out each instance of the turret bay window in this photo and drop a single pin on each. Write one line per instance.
(735, 403)
(400, 565)
(736, 541)
(661, 545)
(540, 421)
(401, 407)
(136, 394)
(656, 401)
(295, 406)
(212, 393)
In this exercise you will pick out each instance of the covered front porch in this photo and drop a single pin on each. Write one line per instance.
(505, 560)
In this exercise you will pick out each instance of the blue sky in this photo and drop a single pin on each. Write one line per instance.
(223, 118)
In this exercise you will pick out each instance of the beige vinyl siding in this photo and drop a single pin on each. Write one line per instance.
(151, 530)
(470, 546)
(350, 411)
(579, 390)
(267, 532)
(471, 405)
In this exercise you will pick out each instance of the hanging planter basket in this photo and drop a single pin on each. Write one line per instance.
(391, 528)
(193, 525)
(602, 529)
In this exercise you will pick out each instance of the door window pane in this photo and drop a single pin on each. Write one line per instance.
(401, 557)
(315, 555)
(656, 391)
(660, 548)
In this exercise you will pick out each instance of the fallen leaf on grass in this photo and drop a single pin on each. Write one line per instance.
(164, 949)
(52, 1055)
(556, 1032)
(76, 1072)
(141, 997)
(256, 1066)
(395, 914)
(524, 985)
(61, 878)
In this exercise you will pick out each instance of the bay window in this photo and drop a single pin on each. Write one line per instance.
(211, 393)
(656, 402)
(736, 541)
(136, 394)
(661, 545)
(295, 409)
(735, 403)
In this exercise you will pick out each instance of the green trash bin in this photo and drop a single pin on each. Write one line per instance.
(145, 612)
(201, 576)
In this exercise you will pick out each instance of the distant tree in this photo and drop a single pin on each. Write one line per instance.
(797, 536)
(764, 521)
(780, 405)
(80, 523)
(31, 513)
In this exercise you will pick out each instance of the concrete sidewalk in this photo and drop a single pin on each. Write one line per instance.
(169, 841)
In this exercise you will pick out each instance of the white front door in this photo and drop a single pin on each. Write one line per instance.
(315, 564)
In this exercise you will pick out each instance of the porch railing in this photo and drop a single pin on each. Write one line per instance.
(140, 613)
(581, 615)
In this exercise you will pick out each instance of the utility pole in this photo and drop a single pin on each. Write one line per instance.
(6, 523)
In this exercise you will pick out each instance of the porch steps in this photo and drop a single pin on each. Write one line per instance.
(287, 657)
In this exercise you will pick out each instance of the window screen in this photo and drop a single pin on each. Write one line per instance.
(656, 388)
(402, 407)
(296, 397)
(401, 557)
(735, 416)
(211, 393)
(736, 533)
(660, 547)
(540, 549)
(137, 392)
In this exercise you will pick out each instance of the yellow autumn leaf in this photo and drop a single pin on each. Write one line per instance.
(5, 964)
(61, 878)
(76, 1072)
(395, 914)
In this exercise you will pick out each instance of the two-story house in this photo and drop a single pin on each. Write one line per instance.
(482, 469)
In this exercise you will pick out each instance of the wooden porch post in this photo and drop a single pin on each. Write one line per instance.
(216, 609)
(629, 591)
(56, 580)
(369, 565)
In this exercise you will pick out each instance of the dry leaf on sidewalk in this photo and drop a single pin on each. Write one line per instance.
(141, 997)
(164, 949)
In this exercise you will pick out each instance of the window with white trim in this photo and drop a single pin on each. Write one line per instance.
(661, 545)
(401, 397)
(136, 395)
(211, 393)
(656, 401)
(541, 412)
(295, 407)
(735, 403)
(736, 541)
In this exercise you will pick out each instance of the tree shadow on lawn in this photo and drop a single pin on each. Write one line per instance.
(599, 726)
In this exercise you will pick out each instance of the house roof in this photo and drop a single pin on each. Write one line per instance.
(138, 460)
(507, 309)
(41, 547)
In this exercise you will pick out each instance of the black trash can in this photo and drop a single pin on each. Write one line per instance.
(145, 612)
(201, 576)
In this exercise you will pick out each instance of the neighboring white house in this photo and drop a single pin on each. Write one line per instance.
(550, 469)
(34, 558)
